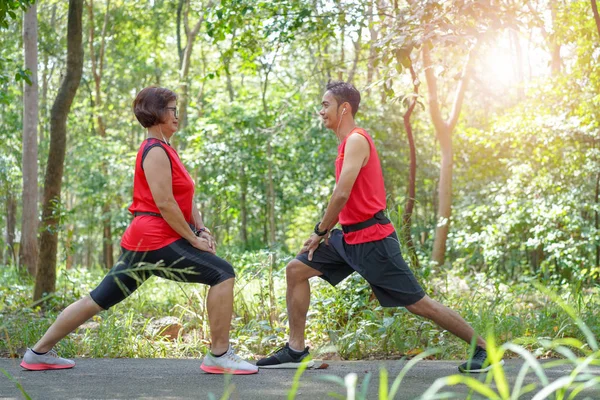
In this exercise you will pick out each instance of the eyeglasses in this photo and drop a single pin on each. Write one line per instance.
(175, 111)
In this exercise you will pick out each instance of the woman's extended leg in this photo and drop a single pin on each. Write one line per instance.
(68, 320)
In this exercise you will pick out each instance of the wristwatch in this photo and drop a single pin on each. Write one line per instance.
(318, 232)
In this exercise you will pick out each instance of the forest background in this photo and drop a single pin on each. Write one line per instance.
(485, 114)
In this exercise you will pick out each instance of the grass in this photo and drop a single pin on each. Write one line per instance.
(524, 319)
(345, 320)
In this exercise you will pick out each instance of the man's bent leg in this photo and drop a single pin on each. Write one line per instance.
(298, 299)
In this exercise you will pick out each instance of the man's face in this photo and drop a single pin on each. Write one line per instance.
(329, 111)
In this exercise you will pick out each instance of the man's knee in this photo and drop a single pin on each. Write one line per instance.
(426, 307)
(297, 271)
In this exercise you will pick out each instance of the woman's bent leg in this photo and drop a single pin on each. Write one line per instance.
(220, 311)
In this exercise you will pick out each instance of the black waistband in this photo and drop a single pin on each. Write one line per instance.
(138, 213)
(378, 218)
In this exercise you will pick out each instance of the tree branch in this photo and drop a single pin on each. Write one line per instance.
(596, 16)
(432, 90)
(460, 91)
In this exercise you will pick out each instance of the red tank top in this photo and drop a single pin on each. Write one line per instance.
(367, 196)
(147, 232)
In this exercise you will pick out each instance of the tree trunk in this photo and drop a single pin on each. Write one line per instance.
(10, 255)
(597, 217)
(356, 56)
(444, 196)
(596, 16)
(372, 48)
(270, 194)
(28, 249)
(46, 271)
(410, 203)
(185, 64)
(97, 72)
(554, 46)
(243, 206)
(443, 130)
(518, 63)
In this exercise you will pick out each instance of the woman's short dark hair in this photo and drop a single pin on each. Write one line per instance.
(345, 92)
(150, 105)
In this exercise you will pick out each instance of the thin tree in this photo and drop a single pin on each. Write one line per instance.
(97, 72)
(412, 176)
(29, 219)
(443, 130)
(185, 55)
(51, 208)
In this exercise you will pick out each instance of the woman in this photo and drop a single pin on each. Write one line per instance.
(167, 237)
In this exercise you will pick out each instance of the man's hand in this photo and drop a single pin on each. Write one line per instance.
(311, 245)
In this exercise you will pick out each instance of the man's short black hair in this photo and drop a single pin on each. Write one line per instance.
(345, 92)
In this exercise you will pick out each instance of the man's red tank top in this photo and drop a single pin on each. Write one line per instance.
(147, 232)
(367, 196)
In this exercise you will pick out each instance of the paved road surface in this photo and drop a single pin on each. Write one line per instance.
(182, 379)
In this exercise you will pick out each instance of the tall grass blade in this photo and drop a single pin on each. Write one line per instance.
(364, 387)
(411, 363)
(383, 384)
(593, 382)
(296, 383)
(453, 380)
(17, 383)
(495, 357)
(591, 340)
(529, 360)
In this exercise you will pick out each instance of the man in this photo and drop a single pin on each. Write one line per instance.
(366, 244)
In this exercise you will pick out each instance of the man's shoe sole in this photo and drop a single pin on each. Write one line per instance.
(221, 371)
(44, 367)
(288, 365)
(478, 371)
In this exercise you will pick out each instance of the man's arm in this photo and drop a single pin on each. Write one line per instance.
(356, 155)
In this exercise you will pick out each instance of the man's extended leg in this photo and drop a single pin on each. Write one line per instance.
(445, 318)
(455, 324)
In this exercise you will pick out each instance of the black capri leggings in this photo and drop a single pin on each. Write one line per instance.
(179, 261)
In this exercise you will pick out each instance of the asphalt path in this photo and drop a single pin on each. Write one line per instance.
(183, 379)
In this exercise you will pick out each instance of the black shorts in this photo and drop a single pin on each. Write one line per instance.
(379, 262)
(179, 261)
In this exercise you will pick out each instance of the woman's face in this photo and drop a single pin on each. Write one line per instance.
(171, 121)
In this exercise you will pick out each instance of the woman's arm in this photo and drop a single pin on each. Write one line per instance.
(158, 174)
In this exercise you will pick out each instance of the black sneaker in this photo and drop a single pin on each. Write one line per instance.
(286, 358)
(477, 363)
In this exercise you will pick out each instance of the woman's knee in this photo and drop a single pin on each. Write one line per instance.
(225, 284)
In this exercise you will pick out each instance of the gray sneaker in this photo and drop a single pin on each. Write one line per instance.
(228, 363)
(42, 362)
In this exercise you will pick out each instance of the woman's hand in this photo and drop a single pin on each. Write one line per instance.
(211, 240)
(202, 243)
